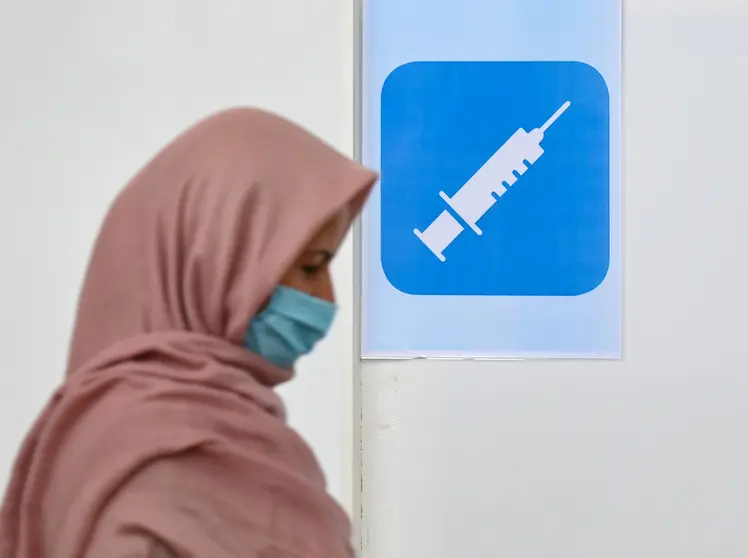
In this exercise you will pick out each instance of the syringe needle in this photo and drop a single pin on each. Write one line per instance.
(555, 116)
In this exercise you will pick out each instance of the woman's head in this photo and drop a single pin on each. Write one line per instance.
(310, 271)
(300, 311)
(201, 238)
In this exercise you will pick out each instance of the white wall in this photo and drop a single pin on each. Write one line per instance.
(90, 90)
(646, 457)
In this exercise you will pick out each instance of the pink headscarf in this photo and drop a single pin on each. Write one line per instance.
(166, 428)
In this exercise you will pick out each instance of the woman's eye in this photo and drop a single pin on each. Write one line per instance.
(314, 263)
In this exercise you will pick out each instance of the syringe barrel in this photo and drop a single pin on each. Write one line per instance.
(476, 197)
(440, 233)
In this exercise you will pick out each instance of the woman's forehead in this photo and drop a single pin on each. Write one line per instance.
(332, 232)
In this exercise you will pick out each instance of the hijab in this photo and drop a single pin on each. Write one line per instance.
(166, 427)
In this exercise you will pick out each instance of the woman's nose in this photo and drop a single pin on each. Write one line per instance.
(325, 289)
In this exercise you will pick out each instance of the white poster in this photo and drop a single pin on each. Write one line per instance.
(495, 230)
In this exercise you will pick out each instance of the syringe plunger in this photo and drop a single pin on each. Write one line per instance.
(440, 233)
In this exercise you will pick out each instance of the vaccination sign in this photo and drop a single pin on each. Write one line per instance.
(495, 231)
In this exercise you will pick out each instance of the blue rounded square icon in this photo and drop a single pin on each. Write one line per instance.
(495, 178)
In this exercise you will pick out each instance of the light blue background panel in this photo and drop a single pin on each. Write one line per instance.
(531, 259)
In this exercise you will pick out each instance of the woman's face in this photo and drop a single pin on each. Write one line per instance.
(310, 272)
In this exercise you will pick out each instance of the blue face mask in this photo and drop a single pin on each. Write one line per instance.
(289, 327)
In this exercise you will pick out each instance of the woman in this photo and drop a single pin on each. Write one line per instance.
(208, 280)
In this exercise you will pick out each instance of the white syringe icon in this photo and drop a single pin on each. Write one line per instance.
(486, 186)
